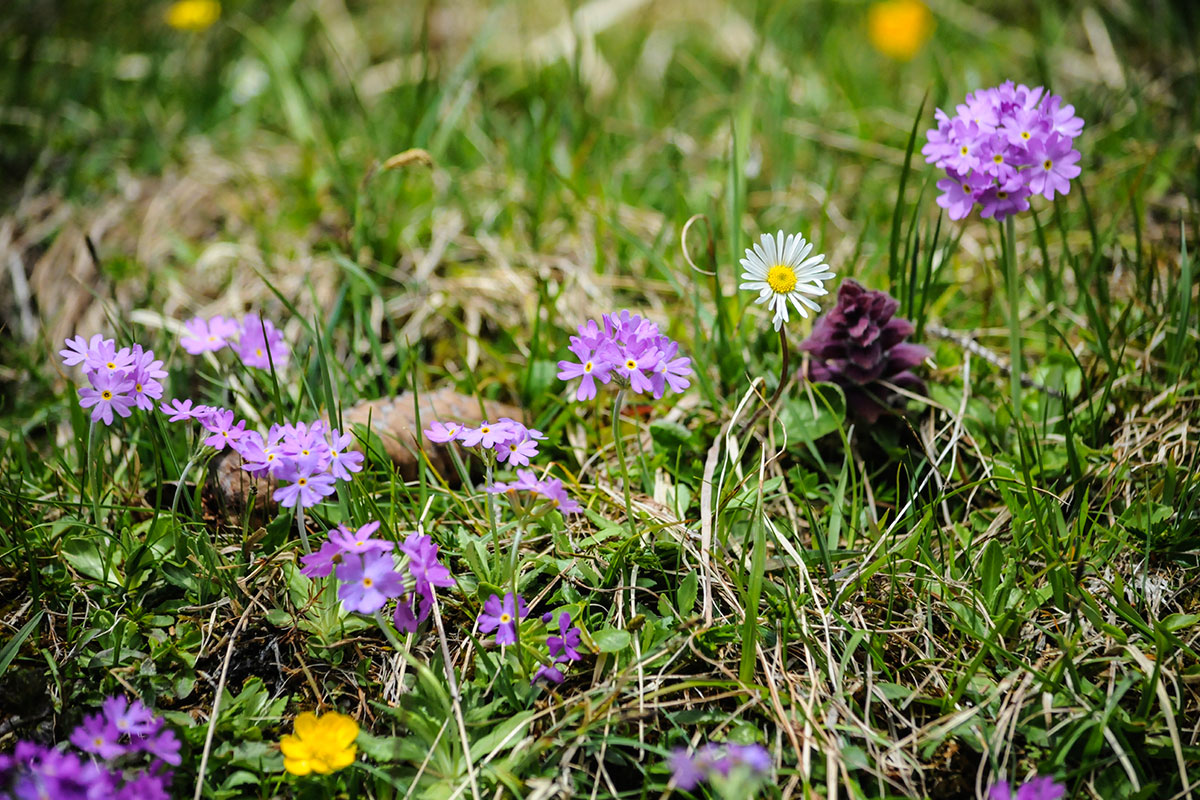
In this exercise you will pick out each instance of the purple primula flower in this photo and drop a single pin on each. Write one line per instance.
(92, 353)
(260, 344)
(37, 772)
(567, 642)
(754, 756)
(368, 581)
(303, 441)
(97, 734)
(1052, 164)
(108, 392)
(322, 562)
(685, 772)
(592, 366)
(160, 742)
(552, 489)
(360, 541)
(342, 460)
(223, 432)
(1004, 145)
(308, 484)
(629, 349)
(502, 617)
(548, 672)
(517, 452)
(427, 572)
(859, 345)
(488, 434)
(179, 410)
(205, 335)
(442, 432)
(131, 718)
(1040, 788)
(145, 389)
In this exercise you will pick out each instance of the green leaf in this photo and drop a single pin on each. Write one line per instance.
(811, 415)
(610, 640)
(13, 646)
(685, 596)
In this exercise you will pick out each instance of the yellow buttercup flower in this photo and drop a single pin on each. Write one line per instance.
(193, 15)
(899, 28)
(320, 744)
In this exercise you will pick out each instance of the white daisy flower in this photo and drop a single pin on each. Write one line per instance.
(780, 270)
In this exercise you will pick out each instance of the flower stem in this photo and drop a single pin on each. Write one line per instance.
(490, 499)
(785, 364)
(388, 632)
(300, 527)
(1014, 312)
(93, 478)
(618, 404)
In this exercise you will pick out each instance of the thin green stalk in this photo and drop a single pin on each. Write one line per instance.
(93, 478)
(388, 632)
(1014, 313)
(491, 513)
(784, 367)
(300, 527)
(618, 404)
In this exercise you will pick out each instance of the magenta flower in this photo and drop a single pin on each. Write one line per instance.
(208, 335)
(442, 432)
(360, 541)
(145, 389)
(629, 349)
(548, 672)
(261, 344)
(592, 365)
(342, 460)
(517, 452)
(127, 717)
(179, 410)
(1041, 788)
(860, 345)
(368, 581)
(502, 617)
(1052, 163)
(98, 735)
(689, 771)
(159, 742)
(108, 392)
(488, 434)
(323, 561)
(309, 484)
(427, 572)
(219, 423)
(1004, 145)
(566, 644)
(92, 353)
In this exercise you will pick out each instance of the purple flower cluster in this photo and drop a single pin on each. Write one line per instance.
(689, 771)
(121, 731)
(549, 488)
(120, 380)
(859, 345)
(508, 440)
(1004, 145)
(1042, 788)
(564, 647)
(309, 458)
(257, 341)
(368, 576)
(628, 349)
(502, 616)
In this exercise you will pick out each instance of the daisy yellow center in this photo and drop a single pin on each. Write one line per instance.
(1047, 164)
(505, 618)
(781, 279)
(106, 394)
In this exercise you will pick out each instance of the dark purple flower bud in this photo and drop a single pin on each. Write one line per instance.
(859, 345)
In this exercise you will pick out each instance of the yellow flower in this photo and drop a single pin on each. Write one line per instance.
(899, 28)
(193, 15)
(320, 744)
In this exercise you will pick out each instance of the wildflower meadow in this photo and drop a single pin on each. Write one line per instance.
(599, 399)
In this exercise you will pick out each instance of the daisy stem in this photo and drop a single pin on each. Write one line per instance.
(388, 632)
(303, 531)
(1014, 312)
(786, 357)
(618, 404)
